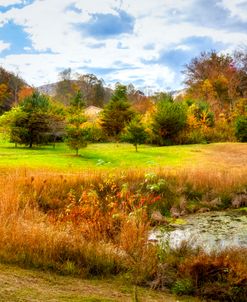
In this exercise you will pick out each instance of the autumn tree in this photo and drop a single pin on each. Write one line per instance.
(66, 87)
(240, 59)
(10, 85)
(25, 92)
(199, 115)
(92, 89)
(4, 96)
(213, 78)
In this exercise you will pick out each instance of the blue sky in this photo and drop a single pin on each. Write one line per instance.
(143, 42)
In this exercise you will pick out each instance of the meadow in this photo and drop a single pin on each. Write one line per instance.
(90, 216)
(110, 156)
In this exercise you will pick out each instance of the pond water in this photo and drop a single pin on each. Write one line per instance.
(209, 231)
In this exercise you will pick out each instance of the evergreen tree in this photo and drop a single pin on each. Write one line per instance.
(35, 121)
(34, 126)
(168, 120)
(77, 135)
(78, 102)
(117, 112)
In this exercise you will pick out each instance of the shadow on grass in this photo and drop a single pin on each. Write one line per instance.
(98, 159)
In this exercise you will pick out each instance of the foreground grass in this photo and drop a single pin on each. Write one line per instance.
(19, 284)
(111, 156)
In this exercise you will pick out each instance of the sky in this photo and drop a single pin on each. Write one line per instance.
(143, 42)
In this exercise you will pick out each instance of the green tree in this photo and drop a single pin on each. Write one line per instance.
(168, 120)
(135, 133)
(162, 96)
(117, 112)
(35, 121)
(76, 134)
(10, 127)
(77, 102)
(34, 126)
(57, 115)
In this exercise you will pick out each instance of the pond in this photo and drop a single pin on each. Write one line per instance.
(209, 231)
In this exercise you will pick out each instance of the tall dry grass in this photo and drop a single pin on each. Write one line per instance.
(98, 223)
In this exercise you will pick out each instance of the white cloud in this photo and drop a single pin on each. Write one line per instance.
(237, 8)
(153, 76)
(9, 2)
(54, 26)
(4, 46)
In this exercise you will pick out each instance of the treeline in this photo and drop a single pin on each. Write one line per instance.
(213, 108)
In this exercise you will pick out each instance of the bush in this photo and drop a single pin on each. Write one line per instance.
(194, 136)
(222, 132)
(241, 128)
(94, 132)
(183, 287)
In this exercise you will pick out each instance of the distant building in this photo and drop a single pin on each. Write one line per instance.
(92, 112)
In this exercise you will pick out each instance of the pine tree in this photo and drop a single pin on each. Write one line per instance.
(116, 113)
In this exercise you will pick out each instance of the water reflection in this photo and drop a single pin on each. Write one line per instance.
(209, 231)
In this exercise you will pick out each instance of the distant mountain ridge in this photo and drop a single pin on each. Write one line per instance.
(49, 89)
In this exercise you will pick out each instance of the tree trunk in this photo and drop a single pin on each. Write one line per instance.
(54, 142)
(76, 150)
(136, 147)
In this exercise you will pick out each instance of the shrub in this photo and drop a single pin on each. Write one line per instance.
(193, 136)
(221, 276)
(241, 128)
(183, 287)
(94, 132)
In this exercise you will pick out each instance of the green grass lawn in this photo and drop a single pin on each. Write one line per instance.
(109, 156)
(100, 156)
